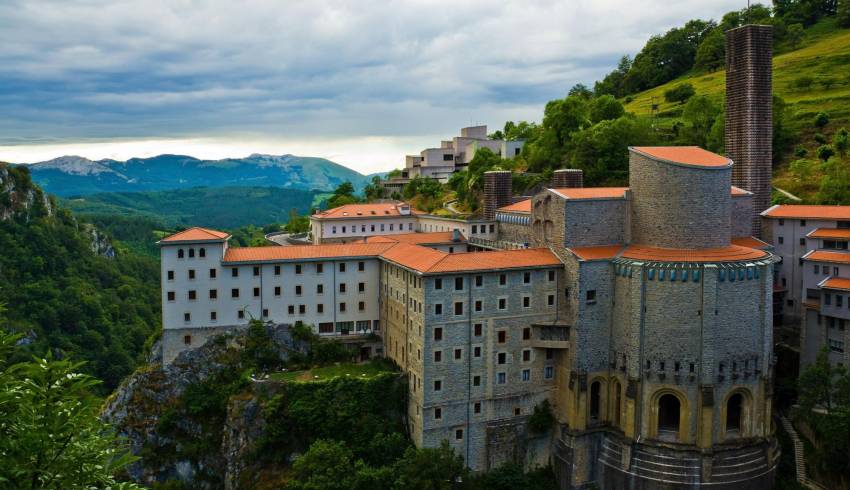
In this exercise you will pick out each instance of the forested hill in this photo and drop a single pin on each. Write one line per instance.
(65, 287)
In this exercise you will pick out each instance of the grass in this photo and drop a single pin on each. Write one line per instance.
(823, 55)
(361, 370)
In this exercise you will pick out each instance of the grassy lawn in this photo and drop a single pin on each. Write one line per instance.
(364, 370)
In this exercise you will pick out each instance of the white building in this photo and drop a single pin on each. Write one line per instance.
(353, 222)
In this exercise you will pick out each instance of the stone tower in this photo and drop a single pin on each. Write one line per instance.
(749, 114)
(497, 191)
(568, 178)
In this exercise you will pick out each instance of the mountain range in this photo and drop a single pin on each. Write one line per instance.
(77, 176)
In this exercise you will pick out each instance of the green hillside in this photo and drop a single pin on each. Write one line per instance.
(811, 79)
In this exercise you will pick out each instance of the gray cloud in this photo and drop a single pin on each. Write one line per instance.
(82, 69)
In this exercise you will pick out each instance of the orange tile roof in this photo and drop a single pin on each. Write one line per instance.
(836, 283)
(428, 260)
(349, 211)
(836, 233)
(414, 256)
(591, 192)
(305, 252)
(196, 234)
(416, 238)
(812, 305)
(731, 253)
(523, 206)
(750, 242)
(738, 192)
(687, 155)
(596, 253)
(823, 256)
(807, 212)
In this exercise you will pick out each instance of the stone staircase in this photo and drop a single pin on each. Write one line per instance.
(799, 456)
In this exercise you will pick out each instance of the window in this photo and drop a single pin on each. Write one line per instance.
(477, 328)
(551, 276)
(458, 308)
(234, 293)
(302, 309)
(298, 268)
(476, 351)
(526, 333)
(733, 413)
(503, 303)
(361, 305)
(476, 381)
(213, 294)
(438, 413)
(212, 273)
(256, 292)
(526, 301)
(333, 229)
(492, 228)
(187, 317)
(781, 222)
(478, 305)
(320, 268)
(781, 240)
(438, 356)
(234, 272)
(817, 269)
(458, 284)
(827, 299)
(438, 385)
(526, 355)
(342, 266)
(265, 313)
(213, 316)
(458, 434)
(342, 306)
(290, 309)
(240, 314)
(361, 266)
(342, 287)
(526, 374)
(526, 277)
(170, 295)
(479, 281)
(550, 300)
(382, 227)
(438, 333)
(191, 253)
(501, 378)
(438, 283)
(179, 253)
(591, 296)
(502, 336)
(802, 222)
(836, 346)
(839, 300)
(320, 308)
(361, 287)
(503, 279)
(502, 358)
(320, 288)
(277, 290)
(474, 229)
(202, 252)
(803, 242)
(548, 372)
(170, 275)
(256, 270)
(835, 271)
(191, 273)
(476, 408)
(668, 416)
(187, 339)
(550, 354)
(277, 270)
(438, 309)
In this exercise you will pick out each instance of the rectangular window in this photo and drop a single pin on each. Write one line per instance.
(438, 309)
(501, 378)
(781, 240)
(361, 266)
(526, 355)
(277, 270)
(476, 381)
(478, 305)
(277, 290)
(526, 277)
(548, 372)
(212, 273)
(502, 358)
(438, 412)
(476, 351)
(191, 253)
(240, 314)
(438, 333)
(256, 270)
(302, 309)
(320, 308)
(458, 308)
(803, 242)
(361, 287)
(202, 252)
(526, 333)
(438, 356)
(187, 339)
(191, 273)
(187, 317)
(265, 312)
(551, 276)
(503, 303)
(234, 293)
(502, 336)
(342, 287)
(170, 275)
(342, 306)
(234, 272)
(170, 295)
(213, 316)
(476, 408)
(298, 268)
(526, 374)
(290, 309)
(479, 281)
(817, 269)
(438, 283)
(213, 294)
(342, 266)
(503, 279)
(550, 300)
(550, 354)
(256, 292)
(361, 305)
(477, 329)
(320, 268)
(458, 434)
(474, 229)
(458, 284)
(591, 296)
(526, 301)
(320, 288)
(458, 354)
(438, 385)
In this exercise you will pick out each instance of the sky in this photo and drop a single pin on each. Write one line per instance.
(361, 83)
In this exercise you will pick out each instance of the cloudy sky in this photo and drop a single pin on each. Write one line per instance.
(362, 83)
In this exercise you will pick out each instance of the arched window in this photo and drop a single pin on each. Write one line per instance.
(734, 410)
(191, 253)
(668, 416)
(179, 253)
(594, 401)
(618, 402)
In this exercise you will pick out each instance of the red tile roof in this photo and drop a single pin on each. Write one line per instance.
(801, 211)
(738, 192)
(823, 256)
(596, 253)
(591, 192)
(523, 206)
(830, 233)
(750, 242)
(305, 252)
(196, 234)
(416, 238)
(349, 211)
(732, 253)
(686, 155)
(836, 283)
(428, 260)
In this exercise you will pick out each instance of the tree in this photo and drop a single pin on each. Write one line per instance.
(700, 113)
(50, 433)
(325, 466)
(680, 93)
(802, 169)
(343, 194)
(612, 84)
(821, 120)
(565, 116)
(825, 152)
(602, 151)
(711, 54)
(795, 35)
(374, 190)
(842, 15)
(297, 223)
(429, 469)
(605, 107)
(841, 141)
(835, 184)
(581, 90)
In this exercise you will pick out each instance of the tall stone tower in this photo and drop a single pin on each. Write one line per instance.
(568, 178)
(749, 113)
(497, 191)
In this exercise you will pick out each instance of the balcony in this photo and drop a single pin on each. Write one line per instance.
(550, 336)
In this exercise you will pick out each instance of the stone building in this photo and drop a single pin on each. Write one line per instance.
(642, 314)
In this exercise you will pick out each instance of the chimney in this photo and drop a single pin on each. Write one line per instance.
(749, 113)
(568, 178)
(497, 191)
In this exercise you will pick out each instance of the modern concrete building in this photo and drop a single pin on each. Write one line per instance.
(812, 243)
(641, 314)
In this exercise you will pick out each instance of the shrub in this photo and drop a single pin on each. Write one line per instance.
(680, 93)
(841, 141)
(825, 152)
(801, 152)
(820, 138)
(803, 83)
(821, 120)
(541, 418)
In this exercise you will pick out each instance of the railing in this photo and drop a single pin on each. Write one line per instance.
(550, 336)
(496, 244)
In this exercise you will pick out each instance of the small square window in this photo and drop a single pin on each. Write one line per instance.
(502, 336)
(193, 295)
(502, 358)
(240, 314)
(476, 381)
(171, 296)
(187, 317)
(213, 294)
(458, 354)
(213, 316)
(187, 339)
(438, 283)
(438, 356)
(170, 275)
(234, 293)
(234, 272)
(458, 434)
(591, 296)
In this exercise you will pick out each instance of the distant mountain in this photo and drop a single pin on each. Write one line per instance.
(216, 207)
(77, 176)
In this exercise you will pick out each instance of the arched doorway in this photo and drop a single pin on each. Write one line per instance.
(594, 401)
(669, 410)
(734, 413)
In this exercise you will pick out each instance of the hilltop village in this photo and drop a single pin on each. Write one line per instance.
(644, 315)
